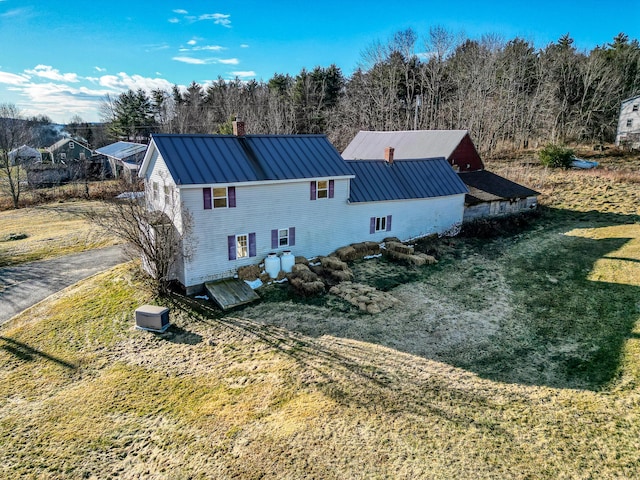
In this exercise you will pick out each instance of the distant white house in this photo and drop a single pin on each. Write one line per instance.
(250, 195)
(25, 155)
(628, 134)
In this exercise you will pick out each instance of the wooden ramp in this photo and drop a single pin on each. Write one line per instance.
(230, 293)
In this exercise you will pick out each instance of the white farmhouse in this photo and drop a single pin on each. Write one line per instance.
(628, 133)
(249, 195)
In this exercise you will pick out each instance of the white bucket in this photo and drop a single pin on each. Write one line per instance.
(287, 261)
(272, 265)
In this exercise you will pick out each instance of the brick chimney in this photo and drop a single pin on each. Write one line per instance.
(238, 128)
(388, 155)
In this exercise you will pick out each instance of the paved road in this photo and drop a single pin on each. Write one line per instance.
(25, 285)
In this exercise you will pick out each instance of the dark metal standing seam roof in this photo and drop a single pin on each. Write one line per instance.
(210, 159)
(377, 180)
(494, 185)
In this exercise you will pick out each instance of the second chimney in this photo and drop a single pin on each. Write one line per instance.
(238, 128)
(388, 155)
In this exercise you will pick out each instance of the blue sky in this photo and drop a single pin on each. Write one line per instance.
(61, 58)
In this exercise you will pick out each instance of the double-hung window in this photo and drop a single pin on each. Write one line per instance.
(242, 245)
(283, 237)
(321, 189)
(219, 197)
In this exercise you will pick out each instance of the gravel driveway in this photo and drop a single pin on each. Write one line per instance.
(25, 285)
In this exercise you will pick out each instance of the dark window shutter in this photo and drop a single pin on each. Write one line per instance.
(252, 244)
(231, 243)
(292, 236)
(388, 223)
(372, 225)
(313, 190)
(274, 238)
(206, 198)
(331, 188)
(231, 191)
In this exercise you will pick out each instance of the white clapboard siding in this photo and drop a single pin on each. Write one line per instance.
(260, 209)
(321, 225)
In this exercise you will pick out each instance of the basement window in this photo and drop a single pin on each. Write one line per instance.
(630, 122)
(380, 224)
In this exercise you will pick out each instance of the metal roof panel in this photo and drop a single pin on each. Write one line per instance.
(377, 180)
(409, 144)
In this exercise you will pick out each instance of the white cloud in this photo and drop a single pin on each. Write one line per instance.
(174, 20)
(192, 42)
(99, 69)
(123, 81)
(46, 71)
(209, 48)
(180, 11)
(13, 79)
(244, 45)
(16, 12)
(190, 60)
(60, 97)
(229, 61)
(244, 74)
(218, 18)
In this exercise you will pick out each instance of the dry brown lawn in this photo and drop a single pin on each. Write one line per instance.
(50, 230)
(513, 357)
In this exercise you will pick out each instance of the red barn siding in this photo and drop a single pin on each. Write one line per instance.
(466, 157)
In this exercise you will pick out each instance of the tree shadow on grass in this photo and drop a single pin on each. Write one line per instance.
(26, 353)
(354, 373)
(565, 329)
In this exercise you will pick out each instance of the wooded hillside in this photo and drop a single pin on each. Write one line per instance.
(507, 93)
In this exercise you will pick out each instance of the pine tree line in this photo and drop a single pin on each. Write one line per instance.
(507, 93)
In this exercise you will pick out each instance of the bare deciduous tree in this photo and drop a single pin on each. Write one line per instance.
(14, 132)
(159, 238)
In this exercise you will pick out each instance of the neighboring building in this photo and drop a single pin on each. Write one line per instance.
(248, 195)
(25, 155)
(489, 194)
(124, 159)
(455, 146)
(628, 134)
(69, 149)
